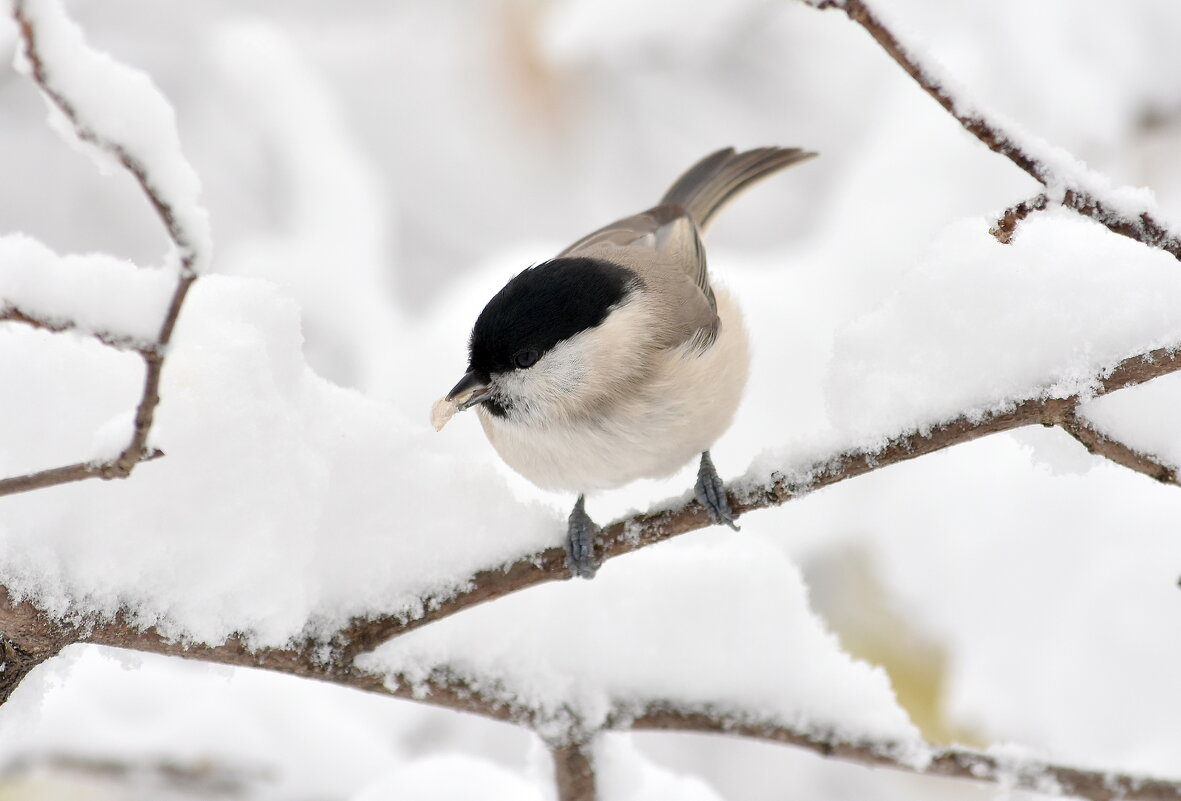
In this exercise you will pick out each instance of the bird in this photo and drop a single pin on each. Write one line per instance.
(618, 359)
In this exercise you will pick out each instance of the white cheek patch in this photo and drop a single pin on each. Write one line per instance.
(574, 375)
(557, 379)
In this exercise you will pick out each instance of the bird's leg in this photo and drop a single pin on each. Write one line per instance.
(712, 493)
(580, 542)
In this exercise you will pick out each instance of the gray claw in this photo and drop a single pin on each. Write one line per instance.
(580, 542)
(711, 493)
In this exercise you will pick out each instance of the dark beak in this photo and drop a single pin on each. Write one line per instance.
(472, 389)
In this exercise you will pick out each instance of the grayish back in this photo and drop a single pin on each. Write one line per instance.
(663, 244)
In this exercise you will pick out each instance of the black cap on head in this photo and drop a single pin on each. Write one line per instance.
(542, 306)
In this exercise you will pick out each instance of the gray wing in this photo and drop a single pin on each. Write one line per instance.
(663, 247)
(663, 244)
(666, 228)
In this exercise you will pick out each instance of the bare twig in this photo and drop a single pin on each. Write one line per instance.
(154, 354)
(68, 474)
(1142, 226)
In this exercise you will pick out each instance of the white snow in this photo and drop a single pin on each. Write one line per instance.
(377, 174)
(282, 500)
(976, 325)
(93, 293)
(710, 622)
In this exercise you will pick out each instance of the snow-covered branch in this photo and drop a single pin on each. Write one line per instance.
(38, 636)
(1121, 453)
(1067, 181)
(98, 97)
(570, 738)
(33, 631)
(12, 314)
(84, 86)
(637, 531)
(1024, 772)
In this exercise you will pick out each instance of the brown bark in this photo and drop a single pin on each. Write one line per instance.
(574, 772)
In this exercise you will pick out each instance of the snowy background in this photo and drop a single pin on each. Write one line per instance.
(373, 172)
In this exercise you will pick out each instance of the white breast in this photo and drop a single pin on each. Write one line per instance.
(580, 437)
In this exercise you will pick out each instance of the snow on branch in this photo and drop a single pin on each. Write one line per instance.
(1008, 770)
(569, 738)
(10, 313)
(32, 635)
(120, 114)
(76, 81)
(638, 531)
(1068, 182)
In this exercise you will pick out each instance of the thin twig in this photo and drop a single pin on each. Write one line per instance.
(955, 762)
(1121, 453)
(68, 474)
(137, 449)
(12, 314)
(1142, 226)
(1006, 226)
(176, 232)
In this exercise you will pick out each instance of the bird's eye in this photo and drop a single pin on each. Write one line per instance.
(526, 358)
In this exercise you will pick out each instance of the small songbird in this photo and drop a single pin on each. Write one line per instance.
(618, 359)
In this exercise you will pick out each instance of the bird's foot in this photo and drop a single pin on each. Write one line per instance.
(580, 542)
(712, 493)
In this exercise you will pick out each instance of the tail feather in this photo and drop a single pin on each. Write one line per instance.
(716, 179)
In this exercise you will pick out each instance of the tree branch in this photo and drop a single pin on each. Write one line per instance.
(134, 165)
(13, 314)
(1006, 226)
(640, 530)
(1100, 444)
(30, 636)
(26, 640)
(68, 474)
(572, 754)
(154, 354)
(955, 762)
(1141, 226)
(333, 661)
(198, 778)
(574, 772)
